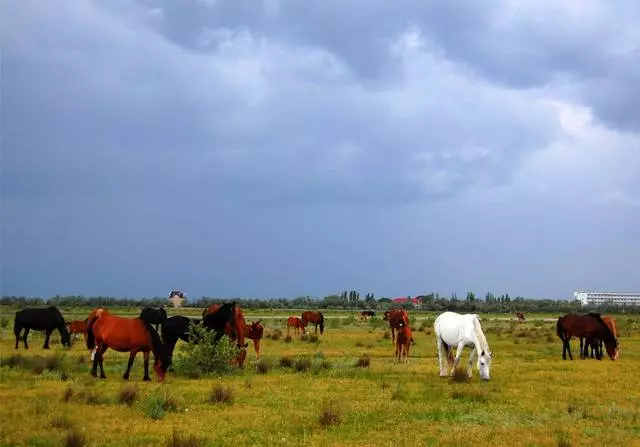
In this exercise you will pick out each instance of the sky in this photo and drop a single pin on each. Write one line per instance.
(278, 148)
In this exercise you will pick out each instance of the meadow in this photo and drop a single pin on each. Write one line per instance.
(345, 389)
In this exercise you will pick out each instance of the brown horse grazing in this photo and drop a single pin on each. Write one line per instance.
(520, 316)
(403, 342)
(76, 327)
(233, 328)
(297, 325)
(131, 335)
(595, 344)
(395, 317)
(589, 326)
(315, 317)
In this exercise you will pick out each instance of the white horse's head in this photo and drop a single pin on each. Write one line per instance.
(484, 364)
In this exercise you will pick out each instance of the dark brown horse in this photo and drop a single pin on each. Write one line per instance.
(234, 327)
(589, 326)
(520, 316)
(595, 344)
(315, 317)
(396, 317)
(131, 335)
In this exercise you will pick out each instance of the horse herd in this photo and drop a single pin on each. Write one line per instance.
(102, 330)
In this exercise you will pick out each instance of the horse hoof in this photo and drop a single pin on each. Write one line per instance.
(102, 376)
(125, 377)
(146, 379)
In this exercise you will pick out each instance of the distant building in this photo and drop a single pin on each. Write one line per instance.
(416, 302)
(599, 298)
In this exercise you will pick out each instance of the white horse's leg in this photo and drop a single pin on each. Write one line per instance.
(458, 355)
(442, 357)
(470, 368)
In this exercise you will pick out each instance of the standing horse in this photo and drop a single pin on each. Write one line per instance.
(453, 329)
(227, 319)
(520, 316)
(176, 328)
(297, 325)
(596, 344)
(76, 327)
(47, 320)
(254, 331)
(366, 314)
(403, 342)
(588, 326)
(131, 335)
(154, 315)
(396, 317)
(315, 317)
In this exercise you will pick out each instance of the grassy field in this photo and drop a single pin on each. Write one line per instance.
(533, 399)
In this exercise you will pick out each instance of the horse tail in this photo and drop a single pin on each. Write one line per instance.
(559, 330)
(321, 323)
(157, 346)
(91, 339)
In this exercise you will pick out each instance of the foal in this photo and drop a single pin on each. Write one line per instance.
(404, 339)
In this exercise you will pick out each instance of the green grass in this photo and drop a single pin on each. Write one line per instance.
(534, 398)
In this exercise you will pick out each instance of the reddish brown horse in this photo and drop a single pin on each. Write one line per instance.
(596, 345)
(395, 317)
(254, 332)
(403, 342)
(315, 317)
(520, 316)
(296, 324)
(76, 327)
(588, 326)
(131, 335)
(234, 329)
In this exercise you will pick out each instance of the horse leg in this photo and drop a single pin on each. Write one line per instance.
(132, 357)
(568, 344)
(146, 377)
(443, 354)
(458, 356)
(100, 355)
(47, 334)
(24, 338)
(16, 331)
(470, 367)
(582, 347)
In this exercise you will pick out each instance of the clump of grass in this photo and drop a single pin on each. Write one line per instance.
(91, 397)
(325, 364)
(64, 375)
(459, 375)
(385, 385)
(82, 360)
(302, 364)
(386, 335)
(470, 395)
(178, 440)
(157, 405)
(359, 344)
(286, 362)
(329, 416)
(363, 362)
(14, 361)
(61, 422)
(563, 440)
(247, 384)
(67, 395)
(304, 337)
(4, 322)
(262, 367)
(127, 395)
(287, 339)
(313, 338)
(399, 393)
(221, 394)
(38, 365)
(276, 335)
(75, 438)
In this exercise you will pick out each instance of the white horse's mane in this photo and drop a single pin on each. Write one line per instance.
(477, 329)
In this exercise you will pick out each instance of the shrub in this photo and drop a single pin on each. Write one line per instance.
(203, 356)
(313, 338)
(287, 339)
(399, 393)
(14, 361)
(4, 322)
(286, 362)
(329, 416)
(302, 364)
(61, 422)
(157, 405)
(386, 335)
(75, 438)
(262, 367)
(68, 394)
(363, 362)
(127, 395)
(276, 335)
(460, 375)
(221, 394)
(178, 440)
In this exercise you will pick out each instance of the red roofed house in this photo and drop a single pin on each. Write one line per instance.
(416, 302)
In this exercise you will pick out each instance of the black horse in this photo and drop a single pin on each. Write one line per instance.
(177, 328)
(47, 320)
(154, 315)
(218, 319)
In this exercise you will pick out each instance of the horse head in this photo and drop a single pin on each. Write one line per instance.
(484, 364)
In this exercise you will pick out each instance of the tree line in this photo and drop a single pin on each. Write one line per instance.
(348, 299)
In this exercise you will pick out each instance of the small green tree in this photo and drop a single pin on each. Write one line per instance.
(202, 356)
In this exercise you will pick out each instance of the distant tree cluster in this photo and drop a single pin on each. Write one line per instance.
(348, 299)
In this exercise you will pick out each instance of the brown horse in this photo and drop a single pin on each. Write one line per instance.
(395, 317)
(131, 335)
(595, 344)
(296, 324)
(403, 342)
(520, 316)
(366, 314)
(234, 329)
(589, 326)
(315, 317)
(254, 332)
(76, 327)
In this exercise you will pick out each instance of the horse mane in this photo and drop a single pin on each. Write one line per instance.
(603, 324)
(159, 350)
(321, 322)
(477, 329)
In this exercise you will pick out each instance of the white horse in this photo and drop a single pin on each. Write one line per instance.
(453, 329)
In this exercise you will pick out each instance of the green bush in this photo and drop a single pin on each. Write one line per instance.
(205, 356)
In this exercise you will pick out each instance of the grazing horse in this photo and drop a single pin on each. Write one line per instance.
(315, 317)
(227, 319)
(254, 332)
(395, 317)
(591, 327)
(176, 328)
(47, 320)
(76, 327)
(131, 335)
(296, 324)
(366, 314)
(453, 329)
(403, 342)
(520, 316)
(154, 315)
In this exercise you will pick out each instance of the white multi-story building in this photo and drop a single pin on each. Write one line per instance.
(615, 298)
